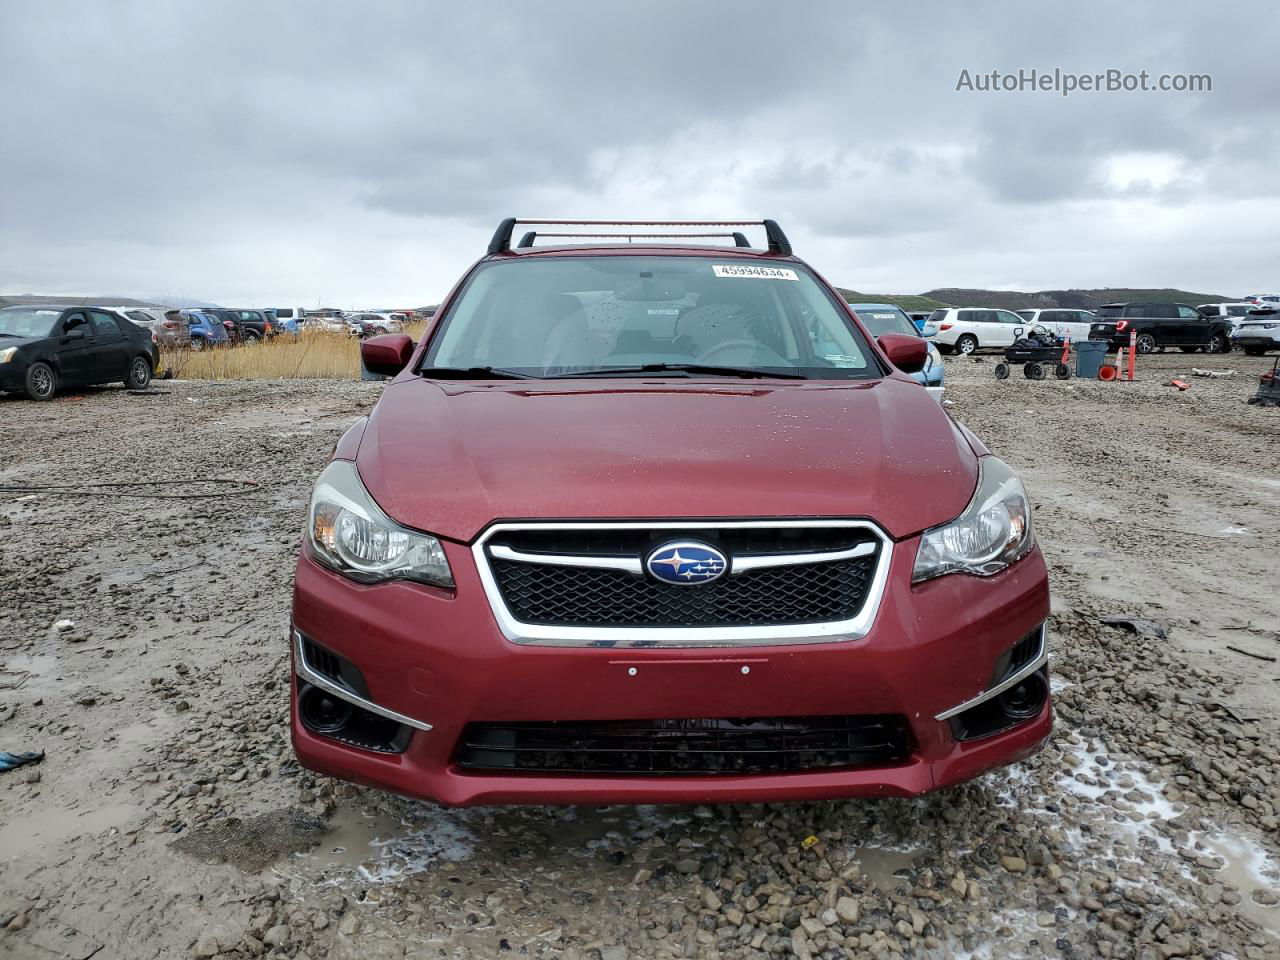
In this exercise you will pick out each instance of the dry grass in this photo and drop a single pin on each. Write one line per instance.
(314, 355)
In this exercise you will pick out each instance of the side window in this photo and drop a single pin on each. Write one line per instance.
(1186, 313)
(1135, 311)
(937, 316)
(104, 325)
(1165, 310)
(73, 320)
(1052, 316)
(1004, 316)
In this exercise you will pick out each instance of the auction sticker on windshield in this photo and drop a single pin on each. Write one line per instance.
(753, 272)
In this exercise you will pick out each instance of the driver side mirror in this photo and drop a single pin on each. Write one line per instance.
(905, 352)
(75, 333)
(387, 354)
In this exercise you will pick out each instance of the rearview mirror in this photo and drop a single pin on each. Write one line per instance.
(905, 352)
(387, 354)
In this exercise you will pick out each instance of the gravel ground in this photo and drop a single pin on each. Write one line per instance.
(142, 645)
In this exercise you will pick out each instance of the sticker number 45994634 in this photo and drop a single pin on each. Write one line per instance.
(751, 271)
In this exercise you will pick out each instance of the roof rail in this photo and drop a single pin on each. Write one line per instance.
(739, 239)
(501, 242)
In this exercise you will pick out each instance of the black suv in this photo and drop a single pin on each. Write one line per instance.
(1160, 324)
(244, 326)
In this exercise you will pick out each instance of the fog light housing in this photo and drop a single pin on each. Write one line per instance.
(322, 712)
(1025, 699)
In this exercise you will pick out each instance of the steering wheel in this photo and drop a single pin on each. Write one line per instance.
(753, 345)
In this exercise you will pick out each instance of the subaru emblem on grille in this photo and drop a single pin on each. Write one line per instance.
(686, 563)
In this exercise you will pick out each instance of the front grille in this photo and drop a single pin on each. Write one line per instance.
(686, 746)
(578, 596)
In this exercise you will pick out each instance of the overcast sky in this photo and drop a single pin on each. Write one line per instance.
(355, 154)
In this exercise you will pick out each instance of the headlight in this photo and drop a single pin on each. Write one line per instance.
(7, 355)
(349, 533)
(993, 531)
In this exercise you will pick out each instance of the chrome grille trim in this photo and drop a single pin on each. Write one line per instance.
(629, 564)
(636, 564)
(317, 679)
(1038, 661)
(660, 637)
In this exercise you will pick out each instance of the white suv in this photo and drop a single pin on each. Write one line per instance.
(966, 329)
(1073, 324)
(1235, 312)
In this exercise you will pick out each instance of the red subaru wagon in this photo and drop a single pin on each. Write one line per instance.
(656, 519)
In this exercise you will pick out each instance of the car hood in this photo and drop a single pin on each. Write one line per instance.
(451, 457)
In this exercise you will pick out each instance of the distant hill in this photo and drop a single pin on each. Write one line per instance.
(10, 300)
(1017, 300)
(906, 301)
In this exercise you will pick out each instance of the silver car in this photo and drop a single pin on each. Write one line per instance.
(167, 326)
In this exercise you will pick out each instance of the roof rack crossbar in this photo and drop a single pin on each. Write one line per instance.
(501, 242)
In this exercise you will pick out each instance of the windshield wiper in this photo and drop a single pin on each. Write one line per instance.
(693, 368)
(472, 373)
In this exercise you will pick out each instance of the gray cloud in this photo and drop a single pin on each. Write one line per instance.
(362, 153)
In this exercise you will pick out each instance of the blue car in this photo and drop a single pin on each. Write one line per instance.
(886, 318)
(206, 329)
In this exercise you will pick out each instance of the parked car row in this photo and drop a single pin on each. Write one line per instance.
(1153, 325)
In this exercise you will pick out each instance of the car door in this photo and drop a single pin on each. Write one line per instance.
(1068, 324)
(109, 354)
(1163, 321)
(72, 348)
(1193, 328)
(1006, 326)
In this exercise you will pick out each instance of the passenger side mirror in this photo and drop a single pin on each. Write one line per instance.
(905, 352)
(387, 354)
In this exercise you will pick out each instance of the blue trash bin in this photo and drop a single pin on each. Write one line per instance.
(1089, 357)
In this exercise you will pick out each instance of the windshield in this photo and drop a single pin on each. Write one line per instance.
(28, 322)
(885, 320)
(559, 316)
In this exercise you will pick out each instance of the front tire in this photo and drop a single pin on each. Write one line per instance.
(139, 377)
(966, 344)
(41, 381)
(1146, 343)
(1062, 372)
(1033, 371)
(1002, 371)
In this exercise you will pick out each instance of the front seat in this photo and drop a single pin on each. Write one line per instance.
(570, 344)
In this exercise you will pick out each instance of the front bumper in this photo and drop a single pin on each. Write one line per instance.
(438, 658)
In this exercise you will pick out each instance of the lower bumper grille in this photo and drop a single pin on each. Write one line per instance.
(686, 746)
